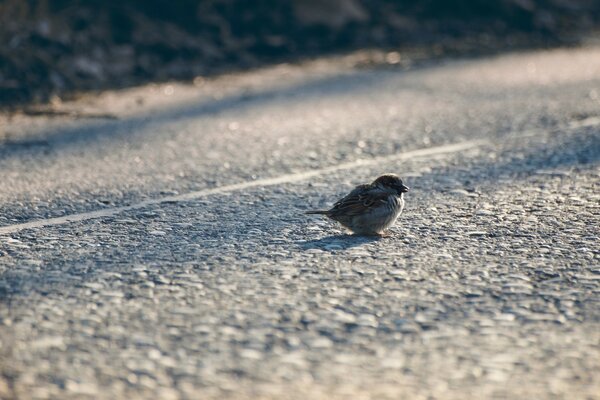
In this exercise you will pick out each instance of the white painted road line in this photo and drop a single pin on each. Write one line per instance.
(289, 178)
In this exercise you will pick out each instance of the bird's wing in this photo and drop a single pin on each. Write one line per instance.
(359, 201)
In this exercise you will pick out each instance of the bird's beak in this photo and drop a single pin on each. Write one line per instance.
(404, 189)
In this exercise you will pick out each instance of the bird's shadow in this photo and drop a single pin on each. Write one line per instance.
(338, 242)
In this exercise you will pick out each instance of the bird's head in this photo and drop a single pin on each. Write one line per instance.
(391, 183)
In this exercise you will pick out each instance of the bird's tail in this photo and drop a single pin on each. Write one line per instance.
(323, 212)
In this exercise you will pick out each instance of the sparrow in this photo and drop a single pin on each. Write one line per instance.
(370, 208)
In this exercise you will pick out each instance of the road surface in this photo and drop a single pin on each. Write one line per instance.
(153, 244)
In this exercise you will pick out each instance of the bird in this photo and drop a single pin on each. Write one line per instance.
(371, 208)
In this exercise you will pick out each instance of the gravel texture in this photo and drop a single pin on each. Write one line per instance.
(489, 287)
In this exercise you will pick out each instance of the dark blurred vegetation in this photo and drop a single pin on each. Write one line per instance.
(50, 47)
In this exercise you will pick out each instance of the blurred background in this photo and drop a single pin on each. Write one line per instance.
(57, 48)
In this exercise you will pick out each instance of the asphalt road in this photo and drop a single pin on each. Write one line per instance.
(153, 244)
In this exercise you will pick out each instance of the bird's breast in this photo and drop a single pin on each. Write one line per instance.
(395, 204)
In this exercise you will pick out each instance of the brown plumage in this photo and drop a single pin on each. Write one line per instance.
(370, 208)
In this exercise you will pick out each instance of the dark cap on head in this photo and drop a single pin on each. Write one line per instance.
(392, 181)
